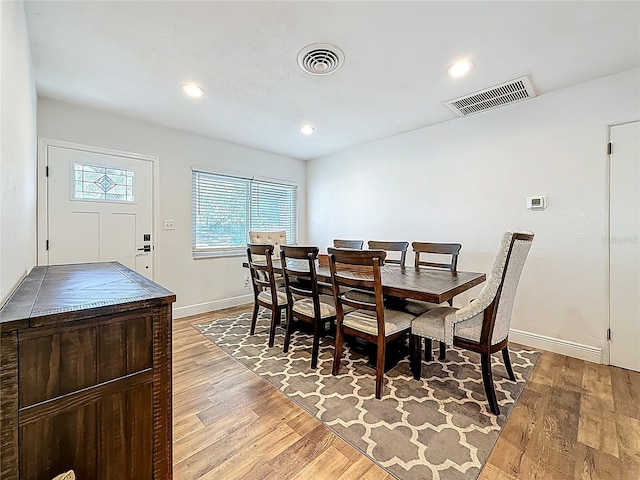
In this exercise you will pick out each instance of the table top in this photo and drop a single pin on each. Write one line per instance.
(426, 284)
(50, 290)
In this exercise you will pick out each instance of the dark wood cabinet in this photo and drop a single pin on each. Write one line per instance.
(85, 375)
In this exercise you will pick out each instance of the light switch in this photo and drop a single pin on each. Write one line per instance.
(538, 202)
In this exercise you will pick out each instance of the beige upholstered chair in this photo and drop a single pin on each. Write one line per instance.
(369, 321)
(483, 325)
(303, 296)
(265, 292)
(272, 238)
(357, 244)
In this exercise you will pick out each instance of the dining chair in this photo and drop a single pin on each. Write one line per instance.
(265, 290)
(391, 247)
(483, 325)
(303, 297)
(357, 244)
(418, 307)
(360, 269)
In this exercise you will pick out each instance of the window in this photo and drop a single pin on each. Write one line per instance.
(92, 182)
(226, 208)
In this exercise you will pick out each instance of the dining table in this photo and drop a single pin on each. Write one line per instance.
(417, 283)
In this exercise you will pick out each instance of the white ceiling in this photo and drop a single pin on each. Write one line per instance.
(132, 57)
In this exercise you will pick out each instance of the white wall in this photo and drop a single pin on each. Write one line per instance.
(203, 284)
(467, 181)
(17, 151)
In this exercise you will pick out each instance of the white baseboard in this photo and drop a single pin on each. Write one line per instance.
(556, 345)
(179, 312)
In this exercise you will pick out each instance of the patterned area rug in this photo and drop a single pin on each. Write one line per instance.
(438, 428)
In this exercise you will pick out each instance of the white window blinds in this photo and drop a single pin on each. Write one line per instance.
(226, 208)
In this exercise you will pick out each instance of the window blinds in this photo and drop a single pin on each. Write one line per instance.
(226, 208)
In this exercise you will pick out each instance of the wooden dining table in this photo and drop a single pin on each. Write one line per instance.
(418, 283)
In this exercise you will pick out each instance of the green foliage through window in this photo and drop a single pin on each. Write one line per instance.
(226, 208)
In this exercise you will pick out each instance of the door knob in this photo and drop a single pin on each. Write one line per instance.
(146, 248)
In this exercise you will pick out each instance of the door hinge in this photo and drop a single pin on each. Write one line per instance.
(46, 245)
(46, 171)
(609, 148)
(608, 334)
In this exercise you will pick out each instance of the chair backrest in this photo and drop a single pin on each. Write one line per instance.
(358, 269)
(276, 239)
(357, 244)
(391, 247)
(452, 249)
(259, 257)
(499, 293)
(300, 277)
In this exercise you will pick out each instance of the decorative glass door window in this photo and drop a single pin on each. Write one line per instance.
(93, 182)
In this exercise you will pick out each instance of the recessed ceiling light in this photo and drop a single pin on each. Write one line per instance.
(460, 68)
(192, 90)
(307, 129)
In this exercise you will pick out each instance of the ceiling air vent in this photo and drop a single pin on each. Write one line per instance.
(320, 58)
(493, 97)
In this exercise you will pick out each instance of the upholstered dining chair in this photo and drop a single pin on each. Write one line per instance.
(483, 325)
(357, 244)
(303, 297)
(265, 291)
(436, 251)
(360, 269)
(275, 238)
(391, 247)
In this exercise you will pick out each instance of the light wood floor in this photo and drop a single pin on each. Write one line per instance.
(574, 420)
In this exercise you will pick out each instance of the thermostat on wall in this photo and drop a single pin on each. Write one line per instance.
(537, 203)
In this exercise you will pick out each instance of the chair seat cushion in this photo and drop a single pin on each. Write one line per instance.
(361, 296)
(265, 296)
(365, 321)
(418, 307)
(305, 307)
(431, 324)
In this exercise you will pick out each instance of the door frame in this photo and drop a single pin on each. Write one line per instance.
(606, 354)
(42, 202)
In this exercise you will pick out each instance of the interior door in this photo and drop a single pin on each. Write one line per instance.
(99, 208)
(624, 235)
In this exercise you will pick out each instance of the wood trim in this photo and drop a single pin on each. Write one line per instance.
(162, 391)
(73, 400)
(9, 469)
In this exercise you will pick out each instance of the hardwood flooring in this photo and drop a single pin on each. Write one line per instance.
(574, 420)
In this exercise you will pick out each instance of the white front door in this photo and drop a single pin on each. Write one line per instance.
(624, 246)
(99, 207)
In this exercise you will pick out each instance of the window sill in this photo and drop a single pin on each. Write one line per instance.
(219, 254)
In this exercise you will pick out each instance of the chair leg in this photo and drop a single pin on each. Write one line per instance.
(275, 320)
(487, 379)
(316, 343)
(337, 356)
(507, 363)
(254, 318)
(428, 349)
(443, 351)
(287, 333)
(380, 369)
(415, 347)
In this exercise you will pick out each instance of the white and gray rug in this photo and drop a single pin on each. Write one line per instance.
(438, 428)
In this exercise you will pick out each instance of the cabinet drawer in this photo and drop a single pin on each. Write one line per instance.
(58, 360)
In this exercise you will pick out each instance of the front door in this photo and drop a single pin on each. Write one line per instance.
(99, 207)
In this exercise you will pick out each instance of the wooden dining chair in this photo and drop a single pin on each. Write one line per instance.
(357, 244)
(304, 300)
(483, 325)
(417, 307)
(265, 291)
(369, 321)
(391, 247)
